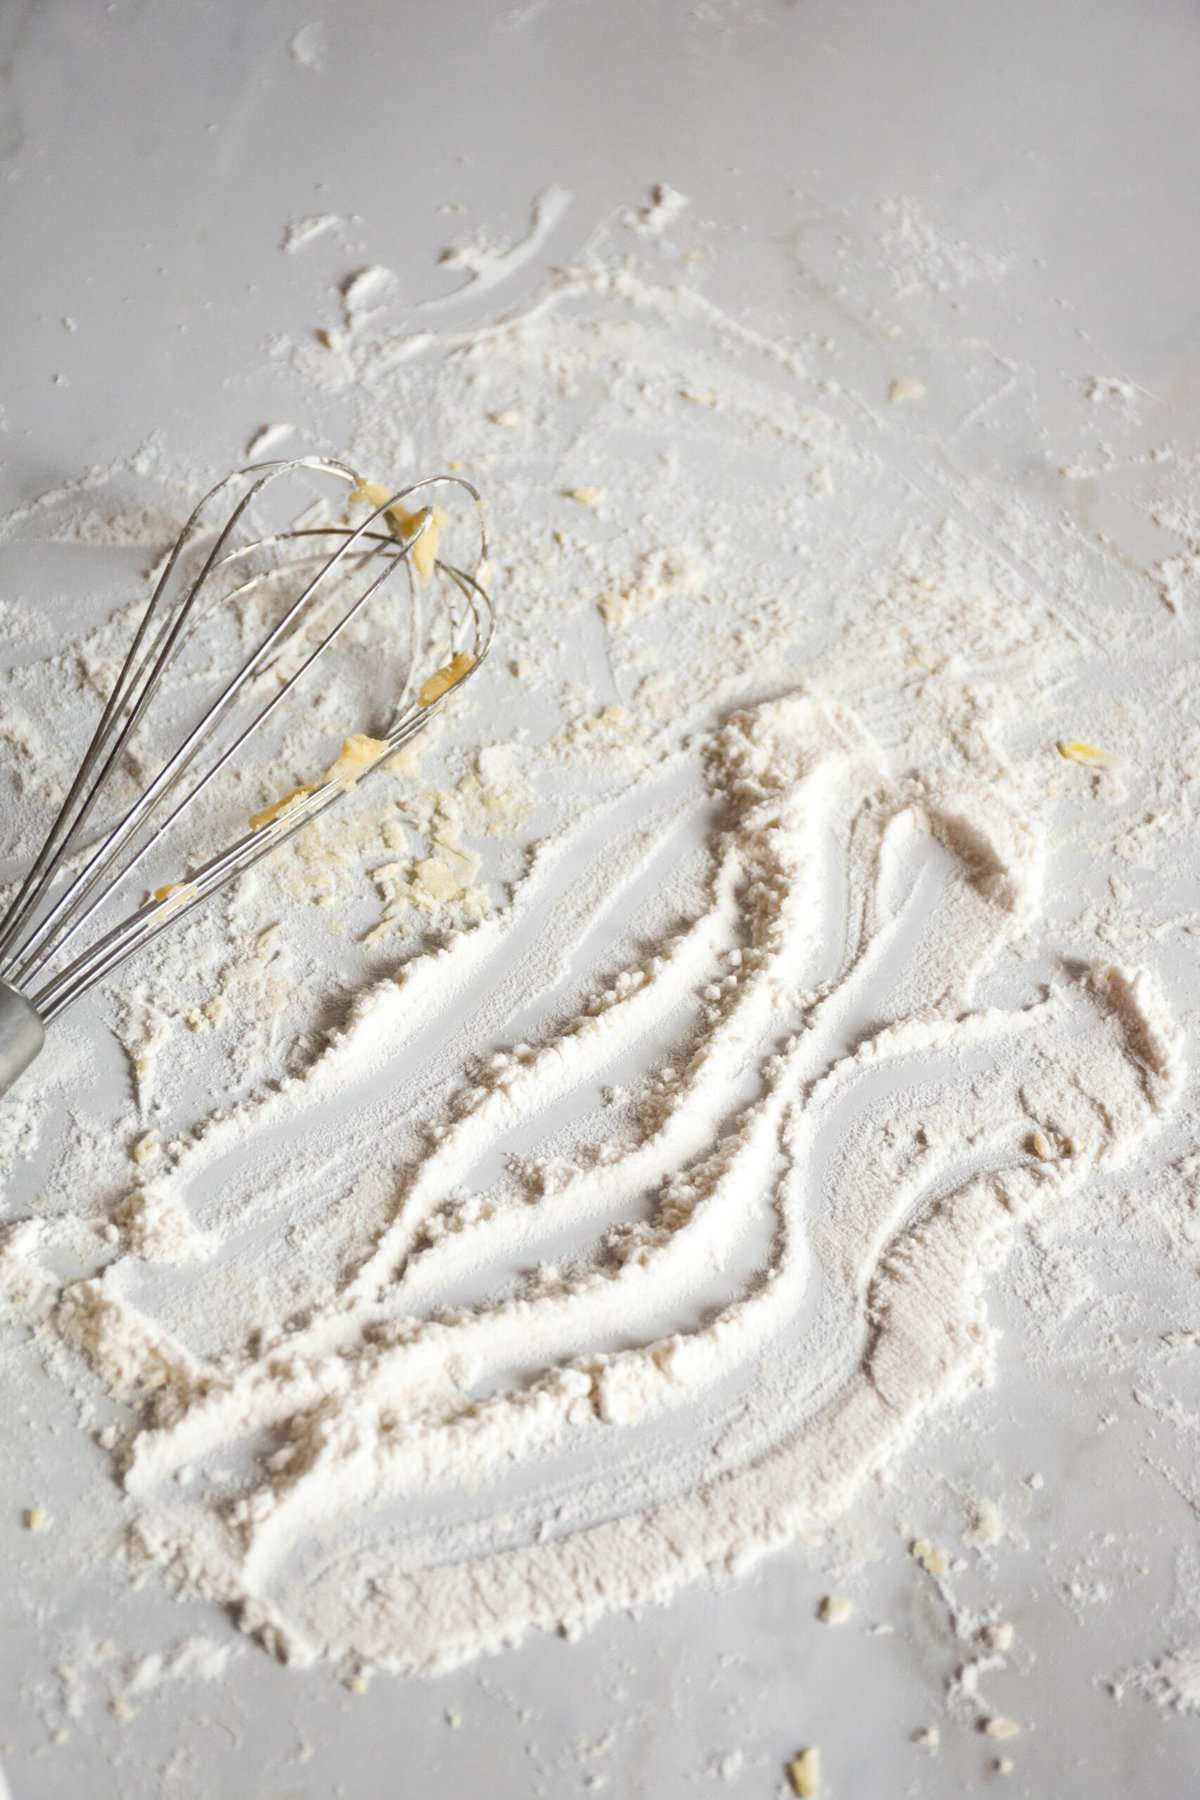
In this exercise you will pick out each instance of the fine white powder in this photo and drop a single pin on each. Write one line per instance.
(1173, 1682)
(456, 1269)
(764, 1243)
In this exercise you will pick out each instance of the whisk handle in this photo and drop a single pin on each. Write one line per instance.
(22, 1035)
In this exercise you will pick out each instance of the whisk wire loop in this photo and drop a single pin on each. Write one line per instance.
(37, 928)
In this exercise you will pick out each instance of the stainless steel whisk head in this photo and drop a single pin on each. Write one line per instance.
(54, 945)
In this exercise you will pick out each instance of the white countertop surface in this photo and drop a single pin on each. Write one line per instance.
(150, 160)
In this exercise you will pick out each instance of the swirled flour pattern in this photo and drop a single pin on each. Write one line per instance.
(664, 1206)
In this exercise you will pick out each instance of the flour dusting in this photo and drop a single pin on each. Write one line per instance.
(761, 1251)
(580, 1167)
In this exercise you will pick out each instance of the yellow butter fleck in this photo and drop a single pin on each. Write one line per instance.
(586, 496)
(1087, 754)
(424, 551)
(358, 754)
(931, 1559)
(369, 493)
(834, 1610)
(269, 814)
(405, 524)
(1000, 1727)
(436, 881)
(178, 891)
(804, 1773)
(442, 680)
(37, 1519)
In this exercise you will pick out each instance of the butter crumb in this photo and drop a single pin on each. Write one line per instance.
(586, 496)
(931, 1559)
(804, 1773)
(1040, 1145)
(358, 754)
(37, 1519)
(436, 880)
(267, 815)
(1074, 750)
(998, 1636)
(442, 680)
(906, 387)
(423, 555)
(833, 1610)
(927, 1738)
(405, 525)
(176, 893)
(1000, 1727)
(146, 1148)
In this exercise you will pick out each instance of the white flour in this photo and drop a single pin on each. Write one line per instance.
(1173, 1682)
(611, 1236)
(808, 1278)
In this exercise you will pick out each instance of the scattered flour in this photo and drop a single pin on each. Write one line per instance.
(486, 266)
(659, 212)
(1173, 1682)
(386, 1390)
(678, 1071)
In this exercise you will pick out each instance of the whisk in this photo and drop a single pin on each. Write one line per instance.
(54, 944)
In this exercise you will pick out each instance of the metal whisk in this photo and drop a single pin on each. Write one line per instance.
(54, 945)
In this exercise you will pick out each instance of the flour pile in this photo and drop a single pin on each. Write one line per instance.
(609, 1173)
